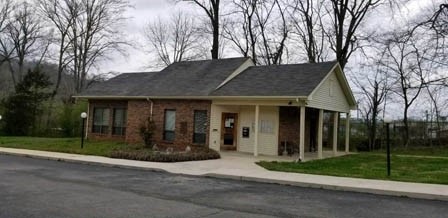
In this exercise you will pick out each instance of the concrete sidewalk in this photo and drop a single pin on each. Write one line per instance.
(243, 167)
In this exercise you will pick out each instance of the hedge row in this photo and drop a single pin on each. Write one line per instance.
(156, 156)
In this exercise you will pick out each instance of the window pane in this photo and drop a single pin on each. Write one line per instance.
(200, 121)
(200, 126)
(170, 120)
(100, 120)
(105, 117)
(168, 136)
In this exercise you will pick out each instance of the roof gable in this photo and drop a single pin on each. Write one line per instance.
(276, 80)
(186, 78)
(342, 81)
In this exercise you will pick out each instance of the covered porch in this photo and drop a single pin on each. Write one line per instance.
(286, 129)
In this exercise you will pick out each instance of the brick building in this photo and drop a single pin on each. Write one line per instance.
(225, 104)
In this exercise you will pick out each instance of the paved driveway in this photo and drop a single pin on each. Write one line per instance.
(42, 188)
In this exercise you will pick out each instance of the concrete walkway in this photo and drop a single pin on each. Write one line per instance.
(243, 167)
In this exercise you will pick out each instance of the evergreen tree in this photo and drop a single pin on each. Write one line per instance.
(24, 106)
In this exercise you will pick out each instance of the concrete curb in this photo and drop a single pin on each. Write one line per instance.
(334, 187)
(93, 163)
(396, 193)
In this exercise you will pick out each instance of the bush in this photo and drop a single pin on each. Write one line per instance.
(146, 154)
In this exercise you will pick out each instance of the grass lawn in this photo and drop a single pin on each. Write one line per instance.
(437, 151)
(371, 166)
(66, 145)
(107, 148)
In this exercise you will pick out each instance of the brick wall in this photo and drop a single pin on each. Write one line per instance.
(111, 104)
(289, 126)
(138, 112)
(184, 125)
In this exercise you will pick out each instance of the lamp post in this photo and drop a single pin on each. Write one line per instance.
(388, 146)
(83, 117)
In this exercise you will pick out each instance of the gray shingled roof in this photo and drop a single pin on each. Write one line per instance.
(200, 78)
(277, 80)
(186, 78)
(120, 85)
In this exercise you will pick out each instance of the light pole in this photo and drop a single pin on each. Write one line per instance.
(388, 146)
(83, 117)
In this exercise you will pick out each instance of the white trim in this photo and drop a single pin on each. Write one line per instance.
(302, 134)
(257, 117)
(320, 129)
(188, 97)
(347, 133)
(344, 84)
(335, 133)
(235, 73)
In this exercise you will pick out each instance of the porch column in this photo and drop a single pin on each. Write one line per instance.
(257, 115)
(320, 128)
(335, 133)
(302, 133)
(347, 133)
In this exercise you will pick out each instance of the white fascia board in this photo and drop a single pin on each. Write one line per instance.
(196, 97)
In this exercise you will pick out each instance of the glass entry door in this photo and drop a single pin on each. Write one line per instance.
(228, 131)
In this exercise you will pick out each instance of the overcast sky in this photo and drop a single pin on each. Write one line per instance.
(144, 11)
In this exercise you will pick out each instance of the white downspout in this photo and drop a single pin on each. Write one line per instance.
(150, 110)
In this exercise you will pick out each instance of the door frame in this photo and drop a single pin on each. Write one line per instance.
(235, 132)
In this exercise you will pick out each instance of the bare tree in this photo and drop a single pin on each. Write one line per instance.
(374, 87)
(173, 41)
(259, 29)
(242, 31)
(407, 61)
(62, 18)
(21, 39)
(273, 34)
(347, 17)
(212, 9)
(307, 19)
(439, 20)
(5, 13)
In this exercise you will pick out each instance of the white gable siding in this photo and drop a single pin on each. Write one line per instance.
(330, 96)
(246, 119)
(267, 142)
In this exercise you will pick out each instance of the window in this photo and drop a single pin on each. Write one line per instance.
(170, 124)
(200, 126)
(266, 126)
(119, 124)
(100, 120)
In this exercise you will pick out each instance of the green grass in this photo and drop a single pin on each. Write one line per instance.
(371, 166)
(66, 145)
(437, 151)
(106, 148)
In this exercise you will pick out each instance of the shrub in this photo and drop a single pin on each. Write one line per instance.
(145, 154)
(147, 132)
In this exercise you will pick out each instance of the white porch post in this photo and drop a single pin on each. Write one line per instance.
(335, 133)
(302, 133)
(320, 128)
(257, 115)
(347, 132)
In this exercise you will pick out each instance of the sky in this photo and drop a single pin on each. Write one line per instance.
(144, 11)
